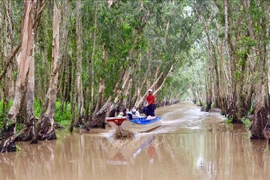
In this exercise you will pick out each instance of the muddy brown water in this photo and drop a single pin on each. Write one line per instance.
(189, 145)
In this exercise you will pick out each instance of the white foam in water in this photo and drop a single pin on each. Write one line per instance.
(172, 122)
(108, 134)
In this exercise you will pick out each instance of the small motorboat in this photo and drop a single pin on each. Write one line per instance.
(141, 124)
(135, 124)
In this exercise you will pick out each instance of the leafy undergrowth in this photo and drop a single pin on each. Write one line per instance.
(62, 114)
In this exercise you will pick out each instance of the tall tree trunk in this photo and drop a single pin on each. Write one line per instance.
(93, 61)
(7, 25)
(227, 36)
(127, 90)
(102, 84)
(229, 49)
(4, 52)
(261, 96)
(45, 126)
(267, 14)
(2, 33)
(223, 82)
(210, 75)
(28, 131)
(99, 115)
(23, 61)
(217, 78)
(79, 63)
(260, 116)
(10, 82)
(73, 97)
(100, 95)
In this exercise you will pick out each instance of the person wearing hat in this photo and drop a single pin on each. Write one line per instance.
(151, 101)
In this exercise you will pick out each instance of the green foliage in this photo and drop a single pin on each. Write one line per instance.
(19, 126)
(62, 117)
(251, 110)
(221, 35)
(241, 54)
(229, 120)
(237, 75)
(37, 108)
(246, 41)
(127, 30)
(247, 122)
(2, 116)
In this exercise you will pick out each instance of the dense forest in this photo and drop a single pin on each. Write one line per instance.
(74, 62)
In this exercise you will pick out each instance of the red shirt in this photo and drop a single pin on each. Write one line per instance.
(150, 98)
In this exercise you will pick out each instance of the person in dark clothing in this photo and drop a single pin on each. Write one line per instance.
(124, 112)
(151, 101)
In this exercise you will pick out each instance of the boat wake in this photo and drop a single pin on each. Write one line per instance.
(188, 117)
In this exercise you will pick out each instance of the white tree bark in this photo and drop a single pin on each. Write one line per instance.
(45, 128)
(79, 58)
(23, 60)
(55, 58)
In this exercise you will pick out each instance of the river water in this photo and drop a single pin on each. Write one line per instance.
(190, 144)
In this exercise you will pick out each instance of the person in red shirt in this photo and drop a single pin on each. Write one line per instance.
(151, 101)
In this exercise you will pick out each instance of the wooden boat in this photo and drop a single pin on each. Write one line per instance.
(135, 124)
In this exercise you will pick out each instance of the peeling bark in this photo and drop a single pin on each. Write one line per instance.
(261, 93)
(24, 59)
(27, 133)
(260, 118)
(9, 79)
(45, 127)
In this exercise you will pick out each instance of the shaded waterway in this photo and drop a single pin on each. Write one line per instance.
(190, 144)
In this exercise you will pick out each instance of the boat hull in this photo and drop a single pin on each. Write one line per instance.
(137, 127)
(115, 121)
